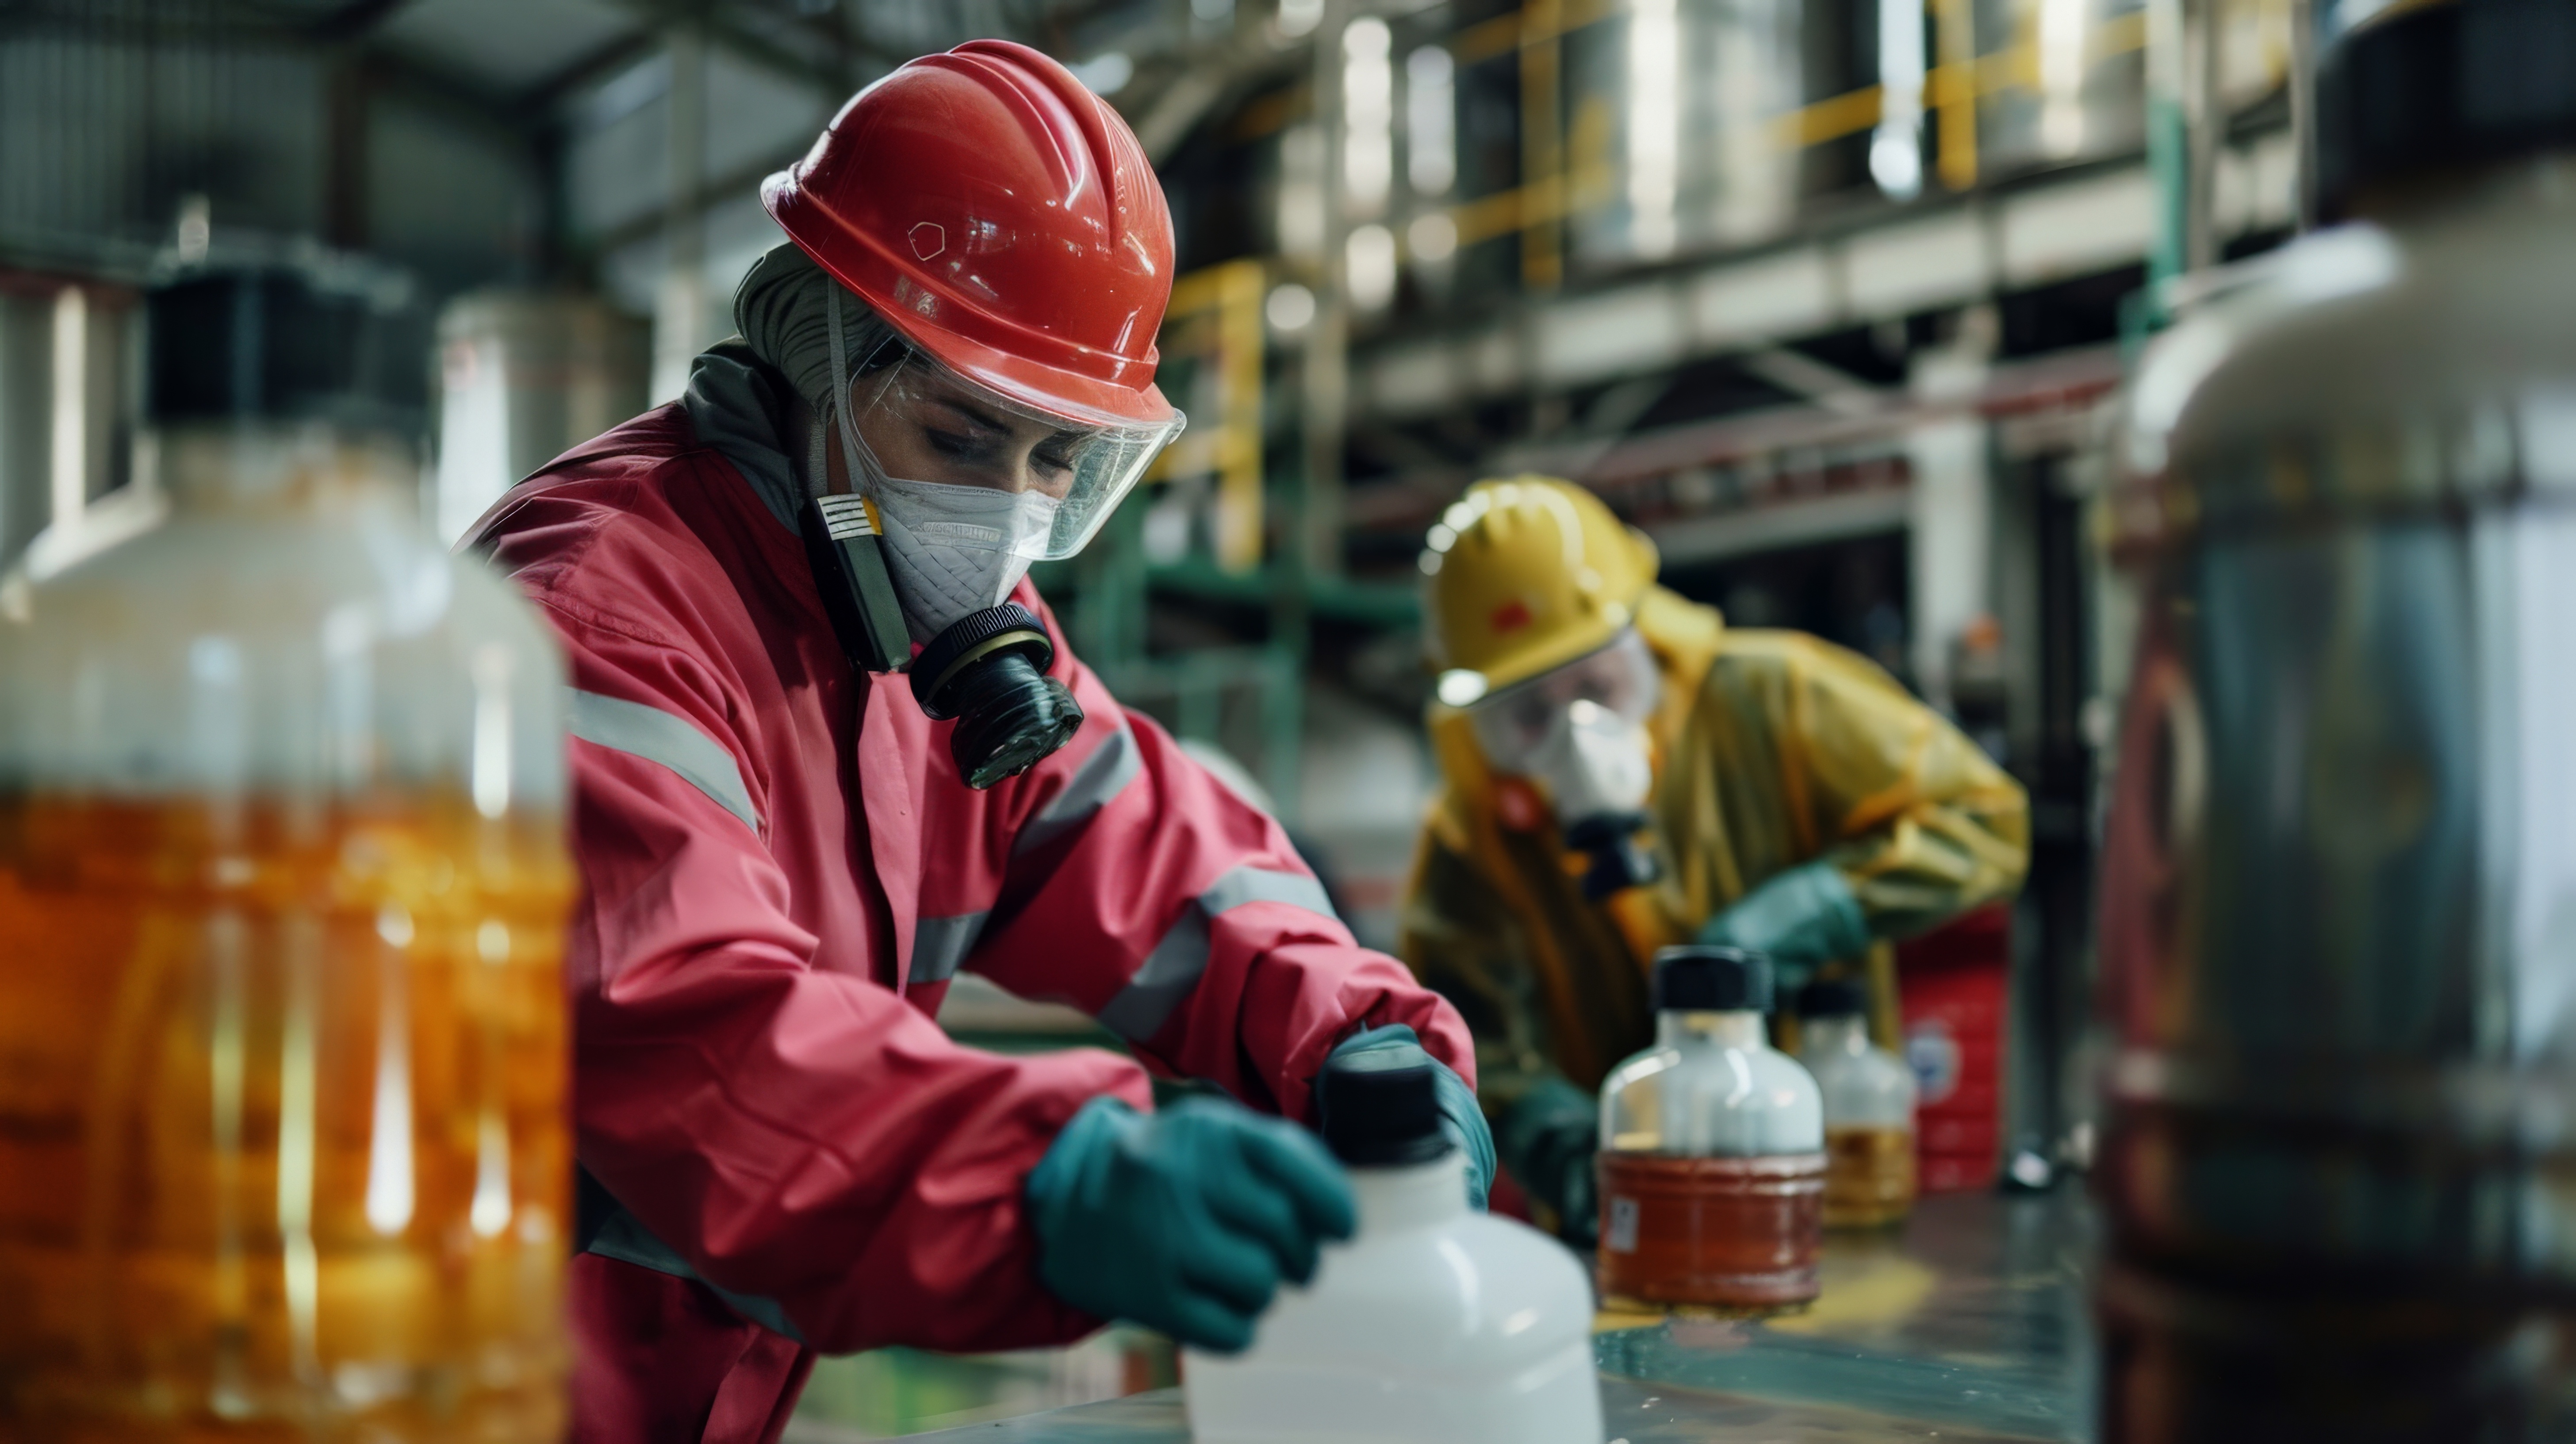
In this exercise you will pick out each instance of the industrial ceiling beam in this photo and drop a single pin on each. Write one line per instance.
(598, 65)
(833, 76)
(353, 21)
(1208, 78)
(1828, 386)
(432, 86)
(714, 190)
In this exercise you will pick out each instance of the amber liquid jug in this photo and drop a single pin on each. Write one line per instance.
(283, 1143)
(1869, 1108)
(1712, 1163)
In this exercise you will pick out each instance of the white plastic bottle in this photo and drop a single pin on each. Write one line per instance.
(1435, 1324)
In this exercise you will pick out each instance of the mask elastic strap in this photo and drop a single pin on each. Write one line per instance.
(841, 383)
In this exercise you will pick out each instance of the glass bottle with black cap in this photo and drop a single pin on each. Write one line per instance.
(283, 885)
(1869, 1107)
(1712, 1162)
(1435, 1324)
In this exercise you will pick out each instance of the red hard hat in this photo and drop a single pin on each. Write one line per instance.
(1002, 218)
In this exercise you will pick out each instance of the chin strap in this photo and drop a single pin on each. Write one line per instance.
(849, 432)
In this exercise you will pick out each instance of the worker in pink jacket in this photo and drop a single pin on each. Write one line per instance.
(830, 748)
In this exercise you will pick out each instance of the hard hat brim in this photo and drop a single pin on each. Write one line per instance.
(1568, 645)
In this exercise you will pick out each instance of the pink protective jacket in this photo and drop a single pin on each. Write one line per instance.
(782, 1153)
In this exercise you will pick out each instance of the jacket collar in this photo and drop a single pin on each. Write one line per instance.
(747, 414)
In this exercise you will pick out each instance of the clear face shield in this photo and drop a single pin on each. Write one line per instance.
(975, 485)
(1579, 730)
(959, 489)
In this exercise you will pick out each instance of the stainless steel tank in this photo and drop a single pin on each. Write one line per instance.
(1679, 119)
(525, 376)
(2339, 919)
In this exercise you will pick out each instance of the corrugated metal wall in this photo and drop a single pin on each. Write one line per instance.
(114, 111)
(106, 122)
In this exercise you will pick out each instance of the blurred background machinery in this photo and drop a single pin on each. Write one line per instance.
(1829, 296)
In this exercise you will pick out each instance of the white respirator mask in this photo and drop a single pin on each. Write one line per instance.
(901, 560)
(1594, 762)
(955, 550)
(955, 547)
(1579, 731)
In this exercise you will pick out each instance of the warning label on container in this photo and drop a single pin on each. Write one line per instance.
(1621, 1237)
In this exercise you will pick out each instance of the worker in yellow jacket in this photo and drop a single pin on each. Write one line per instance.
(1622, 772)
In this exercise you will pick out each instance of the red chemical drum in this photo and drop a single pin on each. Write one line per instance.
(1954, 985)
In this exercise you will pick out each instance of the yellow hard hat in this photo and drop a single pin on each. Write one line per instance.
(1522, 575)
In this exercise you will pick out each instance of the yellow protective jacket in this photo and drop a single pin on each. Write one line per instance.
(1774, 748)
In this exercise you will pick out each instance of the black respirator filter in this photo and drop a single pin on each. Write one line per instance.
(1618, 860)
(987, 670)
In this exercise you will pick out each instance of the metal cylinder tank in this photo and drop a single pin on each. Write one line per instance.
(525, 376)
(1682, 123)
(2339, 918)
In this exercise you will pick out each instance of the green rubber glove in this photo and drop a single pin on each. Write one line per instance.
(1466, 1120)
(1803, 917)
(1184, 1220)
(1548, 1141)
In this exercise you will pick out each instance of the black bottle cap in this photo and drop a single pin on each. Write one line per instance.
(1697, 979)
(1382, 1110)
(2419, 89)
(1833, 998)
(341, 342)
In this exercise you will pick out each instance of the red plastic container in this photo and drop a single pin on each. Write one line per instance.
(1954, 986)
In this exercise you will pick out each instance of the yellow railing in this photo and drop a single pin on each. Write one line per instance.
(1229, 296)
(1951, 90)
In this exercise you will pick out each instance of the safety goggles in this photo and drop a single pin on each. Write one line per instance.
(1515, 723)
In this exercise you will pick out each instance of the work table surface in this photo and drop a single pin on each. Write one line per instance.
(1968, 1325)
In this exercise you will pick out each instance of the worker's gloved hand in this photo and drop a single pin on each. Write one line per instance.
(1548, 1141)
(1803, 917)
(1465, 1120)
(1184, 1220)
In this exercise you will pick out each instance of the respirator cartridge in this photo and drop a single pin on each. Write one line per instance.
(986, 671)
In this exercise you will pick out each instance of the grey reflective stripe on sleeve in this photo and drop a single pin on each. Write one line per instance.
(657, 736)
(623, 1237)
(1103, 775)
(1173, 967)
(1249, 884)
(939, 945)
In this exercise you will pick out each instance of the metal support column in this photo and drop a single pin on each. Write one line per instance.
(1543, 200)
(680, 307)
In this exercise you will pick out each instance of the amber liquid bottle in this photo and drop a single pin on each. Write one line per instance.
(1869, 1109)
(1712, 1165)
(284, 1152)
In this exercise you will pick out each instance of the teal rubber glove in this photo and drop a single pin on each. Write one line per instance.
(1548, 1141)
(1803, 917)
(1184, 1220)
(1458, 1106)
